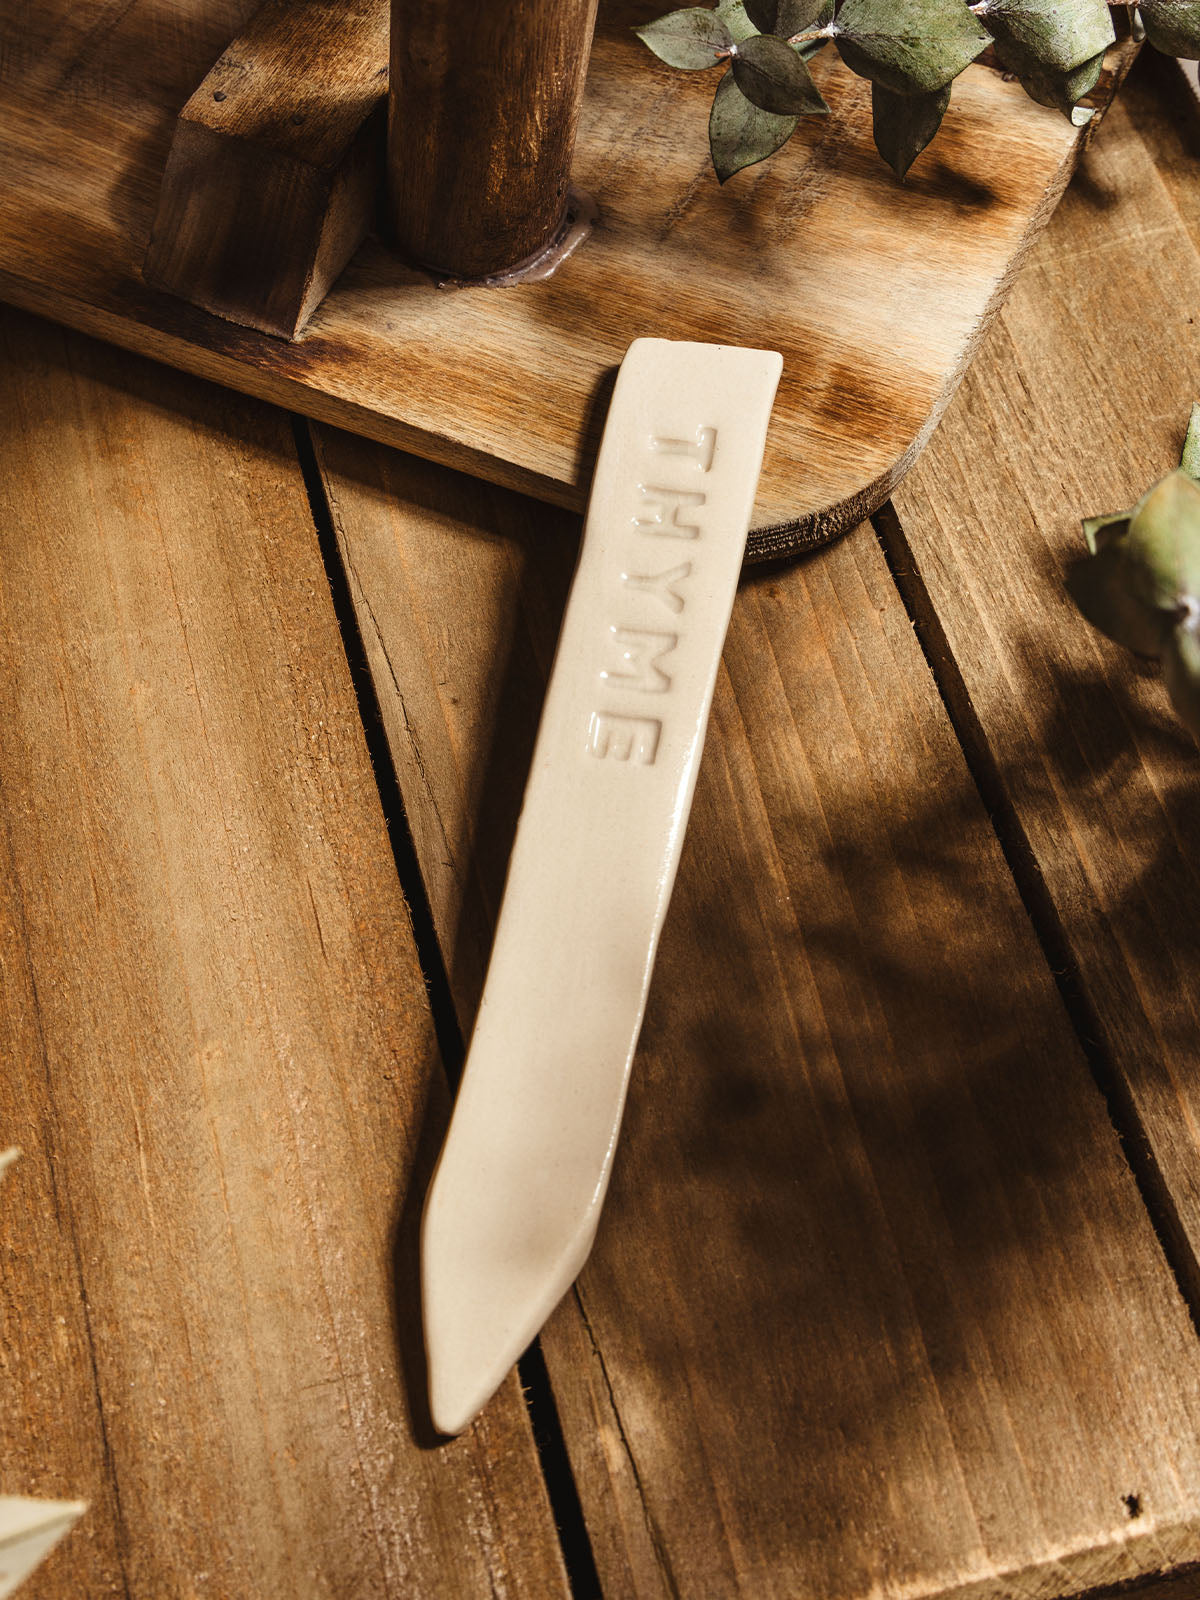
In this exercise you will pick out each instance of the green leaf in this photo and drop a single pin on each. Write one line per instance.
(1100, 532)
(1163, 543)
(784, 18)
(689, 39)
(908, 46)
(1102, 586)
(1055, 47)
(1173, 26)
(733, 14)
(1053, 36)
(905, 123)
(772, 76)
(1061, 90)
(1190, 460)
(1181, 672)
(740, 133)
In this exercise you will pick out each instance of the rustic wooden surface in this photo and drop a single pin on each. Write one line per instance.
(877, 1306)
(818, 253)
(218, 1053)
(1097, 774)
(484, 109)
(275, 163)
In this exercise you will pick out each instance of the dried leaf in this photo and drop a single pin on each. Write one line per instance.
(784, 18)
(773, 77)
(1173, 26)
(1061, 90)
(905, 123)
(733, 14)
(688, 39)
(1054, 36)
(740, 133)
(908, 46)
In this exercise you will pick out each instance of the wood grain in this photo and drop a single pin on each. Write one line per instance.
(875, 1309)
(1081, 403)
(218, 1053)
(275, 163)
(819, 253)
(483, 111)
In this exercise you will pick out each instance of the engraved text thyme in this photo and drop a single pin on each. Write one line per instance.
(638, 655)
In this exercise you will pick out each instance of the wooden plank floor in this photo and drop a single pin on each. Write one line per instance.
(879, 1306)
(217, 1046)
(1100, 352)
(875, 1308)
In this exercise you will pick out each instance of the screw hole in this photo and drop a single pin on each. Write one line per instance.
(1132, 1504)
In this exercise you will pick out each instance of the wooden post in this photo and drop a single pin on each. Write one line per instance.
(484, 103)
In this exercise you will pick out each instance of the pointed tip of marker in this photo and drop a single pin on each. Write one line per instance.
(486, 1291)
(457, 1396)
(475, 1332)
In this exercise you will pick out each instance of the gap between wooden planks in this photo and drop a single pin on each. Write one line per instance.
(217, 1049)
(1078, 403)
(875, 1310)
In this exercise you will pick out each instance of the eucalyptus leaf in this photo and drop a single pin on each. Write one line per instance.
(1100, 532)
(1054, 35)
(784, 18)
(1189, 462)
(1103, 588)
(1173, 26)
(1062, 90)
(733, 14)
(773, 77)
(905, 123)
(908, 46)
(1163, 543)
(741, 133)
(1181, 672)
(689, 39)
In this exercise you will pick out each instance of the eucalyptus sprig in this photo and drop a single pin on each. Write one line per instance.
(910, 50)
(1141, 583)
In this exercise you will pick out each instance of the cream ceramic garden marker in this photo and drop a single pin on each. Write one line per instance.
(516, 1197)
(29, 1530)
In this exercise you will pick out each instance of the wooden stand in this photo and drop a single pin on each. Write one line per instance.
(275, 164)
(874, 292)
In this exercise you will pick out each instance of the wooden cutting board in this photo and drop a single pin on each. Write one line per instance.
(876, 293)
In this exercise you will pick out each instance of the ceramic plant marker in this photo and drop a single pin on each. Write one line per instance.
(29, 1530)
(516, 1197)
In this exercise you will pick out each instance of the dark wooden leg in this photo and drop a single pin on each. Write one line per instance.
(484, 103)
